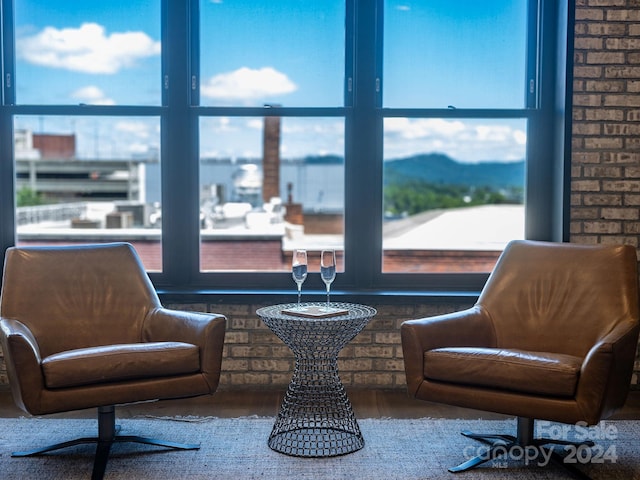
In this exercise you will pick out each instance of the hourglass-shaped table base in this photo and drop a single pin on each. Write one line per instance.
(316, 418)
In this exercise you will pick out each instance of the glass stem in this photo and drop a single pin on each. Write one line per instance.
(328, 288)
(299, 293)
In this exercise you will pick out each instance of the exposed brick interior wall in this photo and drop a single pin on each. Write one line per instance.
(605, 206)
(605, 161)
(255, 357)
(605, 184)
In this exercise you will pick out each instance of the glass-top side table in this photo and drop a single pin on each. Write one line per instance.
(316, 418)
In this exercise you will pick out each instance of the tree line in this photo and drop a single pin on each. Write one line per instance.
(409, 197)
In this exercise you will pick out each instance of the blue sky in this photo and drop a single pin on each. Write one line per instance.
(288, 52)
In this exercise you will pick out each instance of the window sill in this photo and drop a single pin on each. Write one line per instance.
(376, 297)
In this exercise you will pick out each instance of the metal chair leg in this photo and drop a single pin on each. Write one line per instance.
(107, 436)
(501, 444)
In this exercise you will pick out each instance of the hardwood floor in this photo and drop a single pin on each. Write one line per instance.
(239, 403)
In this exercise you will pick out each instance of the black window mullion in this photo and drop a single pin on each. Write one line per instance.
(179, 168)
(7, 98)
(549, 129)
(363, 165)
(532, 77)
(7, 181)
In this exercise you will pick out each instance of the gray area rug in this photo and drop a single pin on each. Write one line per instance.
(236, 449)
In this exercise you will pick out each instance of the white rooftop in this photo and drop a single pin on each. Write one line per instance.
(486, 227)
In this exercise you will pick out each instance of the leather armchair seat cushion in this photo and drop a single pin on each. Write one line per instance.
(539, 373)
(119, 362)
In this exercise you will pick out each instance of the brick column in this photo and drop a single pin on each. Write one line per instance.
(271, 158)
(605, 187)
(605, 160)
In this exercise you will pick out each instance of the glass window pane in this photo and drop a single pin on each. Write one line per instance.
(289, 52)
(269, 185)
(453, 193)
(89, 180)
(462, 54)
(87, 52)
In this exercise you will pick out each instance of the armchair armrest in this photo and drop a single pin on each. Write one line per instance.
(21, 348)
(467, 328)
(206, 330)
(606, 372)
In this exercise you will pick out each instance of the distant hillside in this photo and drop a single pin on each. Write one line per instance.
(323, 159)
(438, 168)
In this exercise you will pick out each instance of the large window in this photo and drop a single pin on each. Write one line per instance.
(94, 53)
(453, 186)
(271, 182)
(453, 192)
(462, 54)
(86, 150)
(269, 185)
(218, 136)
(289, 52)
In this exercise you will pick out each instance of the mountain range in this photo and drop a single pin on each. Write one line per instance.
(441, 169)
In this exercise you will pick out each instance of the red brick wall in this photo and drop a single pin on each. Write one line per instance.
(55, 146)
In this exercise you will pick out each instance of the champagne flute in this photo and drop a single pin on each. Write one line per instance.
(328, 269)
(299, 269)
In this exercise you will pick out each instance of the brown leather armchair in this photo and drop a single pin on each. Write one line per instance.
(83, 327)
(552, 336)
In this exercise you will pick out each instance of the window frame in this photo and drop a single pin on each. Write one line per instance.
(548, 157)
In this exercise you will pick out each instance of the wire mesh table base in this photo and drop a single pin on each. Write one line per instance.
(316, 418)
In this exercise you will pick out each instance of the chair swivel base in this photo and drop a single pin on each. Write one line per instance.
(501, 444)
(107, 436)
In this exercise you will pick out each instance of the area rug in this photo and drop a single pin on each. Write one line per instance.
(236, 449)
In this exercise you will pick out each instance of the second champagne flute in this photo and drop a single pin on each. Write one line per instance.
(328, 269)
(299, 269)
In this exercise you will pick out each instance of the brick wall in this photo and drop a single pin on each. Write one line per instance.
(605, 162)
(254, 356)
(605, 188)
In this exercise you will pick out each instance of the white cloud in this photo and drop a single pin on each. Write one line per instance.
(138, 148)
(466, 141)
(423, 128)
(248, 84)
(255, 124)
(92, 95)
(520, 137)
(493, 133)
(312, 127)
(134, 137)
(137, 129)
(221, 125)
(86, 49)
